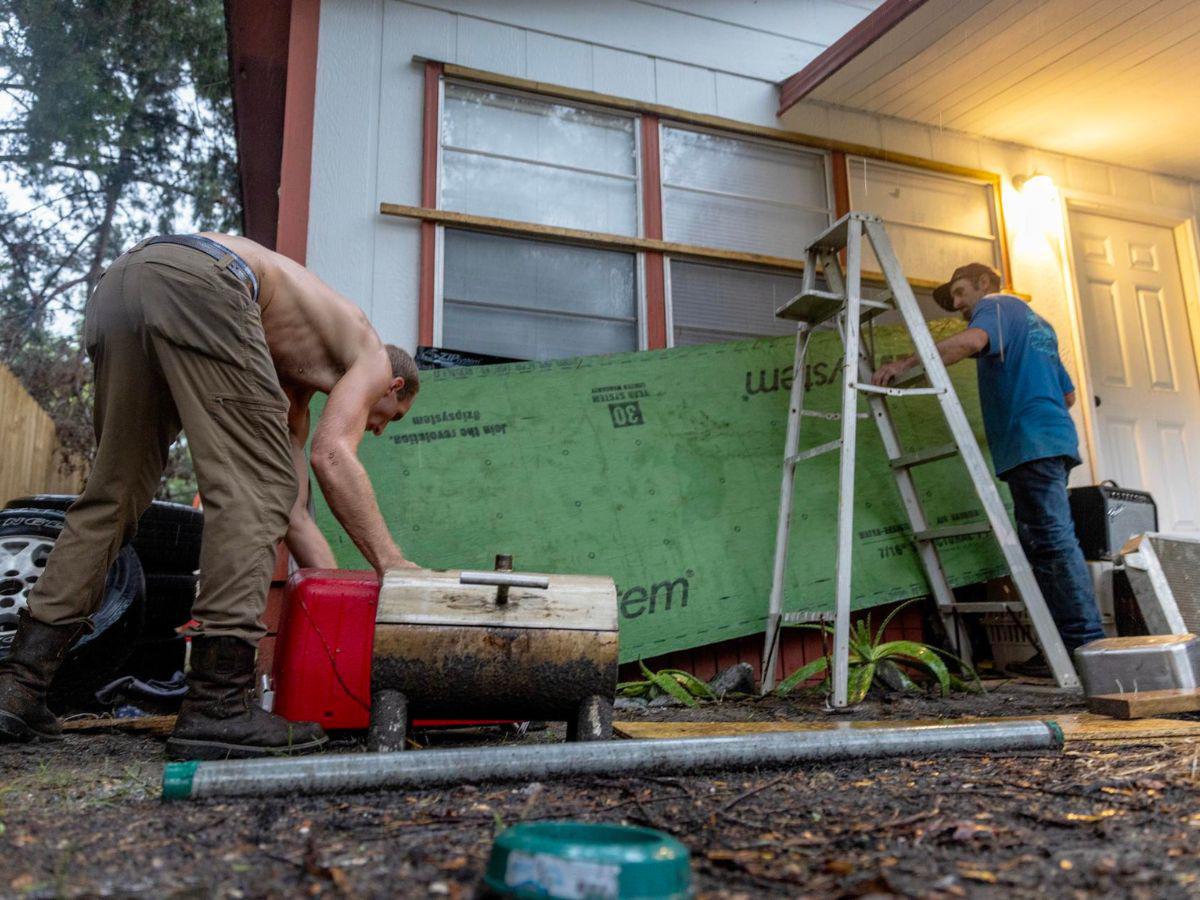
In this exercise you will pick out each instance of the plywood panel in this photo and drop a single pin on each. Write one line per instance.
(660, 470)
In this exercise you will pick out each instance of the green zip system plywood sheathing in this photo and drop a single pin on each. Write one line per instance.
(661, 469)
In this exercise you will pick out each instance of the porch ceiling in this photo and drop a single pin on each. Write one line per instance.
(1110, 80)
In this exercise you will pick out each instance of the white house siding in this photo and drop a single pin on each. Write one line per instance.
(718, 57)
(707, 56)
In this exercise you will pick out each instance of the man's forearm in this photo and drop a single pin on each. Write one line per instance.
(307, 545)
(348, 491)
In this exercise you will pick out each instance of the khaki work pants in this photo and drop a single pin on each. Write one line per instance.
(177, 341)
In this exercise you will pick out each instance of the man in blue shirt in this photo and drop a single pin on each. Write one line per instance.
(1025, 393)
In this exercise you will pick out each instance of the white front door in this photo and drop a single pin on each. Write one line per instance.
(1146, 392)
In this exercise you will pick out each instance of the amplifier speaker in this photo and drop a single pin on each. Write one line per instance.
(1106, 516)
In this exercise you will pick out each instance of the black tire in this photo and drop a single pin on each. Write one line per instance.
(168, 534)
(169, 600)
(26, 537)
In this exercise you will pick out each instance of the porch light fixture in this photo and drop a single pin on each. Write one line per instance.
(1034, 182)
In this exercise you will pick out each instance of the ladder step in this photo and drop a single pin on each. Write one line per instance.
(830, 416)
(979, 607)
(908, 460)
(912, 376)
(899, 392)
(834, 237)
(936, 534)
(812, 307)
(816, 451)
(806, 616)
(815, 307)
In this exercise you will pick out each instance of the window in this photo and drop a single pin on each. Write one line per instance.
(737, 194)
(523, 299)
(514, 157)
(936, 222)
(722, 303)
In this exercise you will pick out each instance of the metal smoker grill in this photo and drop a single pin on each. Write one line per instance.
(494, 645)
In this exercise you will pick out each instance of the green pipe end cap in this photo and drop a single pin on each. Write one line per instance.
(177, 780)
(1056, 730)
(579, 859)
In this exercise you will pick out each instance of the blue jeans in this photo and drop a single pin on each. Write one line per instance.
(1046, 531)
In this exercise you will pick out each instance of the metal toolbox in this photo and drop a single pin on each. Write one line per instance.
(1155, 662)
(496, 644)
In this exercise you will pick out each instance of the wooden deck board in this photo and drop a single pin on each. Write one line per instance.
(1075, 726)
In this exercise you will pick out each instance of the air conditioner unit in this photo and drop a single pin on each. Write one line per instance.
(1164, 574)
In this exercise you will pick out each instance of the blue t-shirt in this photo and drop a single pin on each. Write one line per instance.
(1022, 384)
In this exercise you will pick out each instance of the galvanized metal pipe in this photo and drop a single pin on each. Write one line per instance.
(348, 772)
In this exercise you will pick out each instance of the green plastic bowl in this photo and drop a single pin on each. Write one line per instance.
(576, 860)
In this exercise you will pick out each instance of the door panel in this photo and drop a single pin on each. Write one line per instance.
(1141, 362)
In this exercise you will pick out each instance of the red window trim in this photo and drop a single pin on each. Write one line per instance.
(295, 166)
(652, 226)
(429, 199)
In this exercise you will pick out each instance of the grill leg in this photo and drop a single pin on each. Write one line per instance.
(593, 720)
(389, 722)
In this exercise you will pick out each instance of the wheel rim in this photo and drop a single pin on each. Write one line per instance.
(22, 562)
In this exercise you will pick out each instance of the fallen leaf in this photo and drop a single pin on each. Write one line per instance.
(453, 865)
(1066, 865)
(22, 882)
(839, 866)
(1096, 817)
(978, 875)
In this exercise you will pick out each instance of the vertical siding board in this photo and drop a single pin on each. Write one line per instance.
(685, 87)
(491, 47)
(557, 60)
(623, 74)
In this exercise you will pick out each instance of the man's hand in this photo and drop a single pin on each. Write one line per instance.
(396, 561)
(889, 372)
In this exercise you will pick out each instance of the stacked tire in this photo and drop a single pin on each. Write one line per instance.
(148, 593)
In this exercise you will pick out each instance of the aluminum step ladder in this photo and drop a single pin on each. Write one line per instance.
(843, 303)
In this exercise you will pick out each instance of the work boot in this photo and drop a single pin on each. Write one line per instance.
(1034, 667)
(221, 718)
(36, 652)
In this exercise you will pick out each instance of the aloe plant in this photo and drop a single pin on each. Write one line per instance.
(684, 687)
(872, 657)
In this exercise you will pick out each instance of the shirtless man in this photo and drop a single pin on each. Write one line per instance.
(227, 341)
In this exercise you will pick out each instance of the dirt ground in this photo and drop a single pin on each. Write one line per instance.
(83, 818)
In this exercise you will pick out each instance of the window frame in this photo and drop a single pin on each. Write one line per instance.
(438, 329)
(652, 253)
(997, 221)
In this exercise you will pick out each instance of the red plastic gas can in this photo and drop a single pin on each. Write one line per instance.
(323, 650)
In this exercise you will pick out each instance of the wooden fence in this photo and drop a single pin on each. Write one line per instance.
(29, 458)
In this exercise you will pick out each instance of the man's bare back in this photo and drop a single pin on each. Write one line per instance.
(314, 333)
(320, 341)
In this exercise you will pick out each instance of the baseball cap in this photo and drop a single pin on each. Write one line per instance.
(941, 294)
